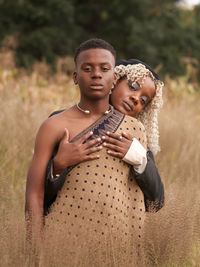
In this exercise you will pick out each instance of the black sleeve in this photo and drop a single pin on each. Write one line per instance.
(151, 185)
(52, 186)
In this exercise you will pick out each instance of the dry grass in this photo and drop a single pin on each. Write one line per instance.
(171, 236)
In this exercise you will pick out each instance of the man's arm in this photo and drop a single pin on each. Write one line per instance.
(44, 146)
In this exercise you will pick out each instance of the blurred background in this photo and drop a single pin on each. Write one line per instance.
(37, 43)
(163, 33)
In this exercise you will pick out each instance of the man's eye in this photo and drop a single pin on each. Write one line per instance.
(87, 69)
(132, 86)
(105, 68)
(144, 100)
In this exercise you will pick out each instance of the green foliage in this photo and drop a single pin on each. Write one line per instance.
(42, 27)
(158, 32)
(149, 30)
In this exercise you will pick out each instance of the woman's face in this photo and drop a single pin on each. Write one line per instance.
(130, 98)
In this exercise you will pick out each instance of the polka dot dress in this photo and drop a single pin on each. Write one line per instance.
(100, 199)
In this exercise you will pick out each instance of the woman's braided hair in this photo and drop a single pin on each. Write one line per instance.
(135, 70)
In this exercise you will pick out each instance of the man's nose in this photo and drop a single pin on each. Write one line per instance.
(96, 73)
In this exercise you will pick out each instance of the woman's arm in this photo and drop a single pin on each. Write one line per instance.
(151, 185)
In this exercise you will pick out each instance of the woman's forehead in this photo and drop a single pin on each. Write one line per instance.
(141, 78)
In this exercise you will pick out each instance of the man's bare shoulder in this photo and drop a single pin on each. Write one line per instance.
(56, 123)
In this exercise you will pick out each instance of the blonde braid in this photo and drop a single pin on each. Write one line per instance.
(149, 115)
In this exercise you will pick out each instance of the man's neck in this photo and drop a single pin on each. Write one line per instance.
(94, 107)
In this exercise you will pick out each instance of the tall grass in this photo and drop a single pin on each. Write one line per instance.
(171, 236)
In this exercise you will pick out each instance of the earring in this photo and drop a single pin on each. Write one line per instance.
(111, 89)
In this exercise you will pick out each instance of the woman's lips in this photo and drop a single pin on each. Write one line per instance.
(127, 106)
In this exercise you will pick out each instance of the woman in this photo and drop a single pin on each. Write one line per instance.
(137, 93)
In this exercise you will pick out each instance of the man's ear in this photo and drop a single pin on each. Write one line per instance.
(75, 77)
(115, 79)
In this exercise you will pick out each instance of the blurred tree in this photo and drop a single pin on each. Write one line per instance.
(158, 32)
(148, 30)
(45, 29)
(194, 46)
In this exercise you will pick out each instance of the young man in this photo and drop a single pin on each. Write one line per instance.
(100, 198)
(95, 76)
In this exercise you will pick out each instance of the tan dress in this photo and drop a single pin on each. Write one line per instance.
(100, 206)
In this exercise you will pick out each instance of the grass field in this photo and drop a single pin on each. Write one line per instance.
(171, 236)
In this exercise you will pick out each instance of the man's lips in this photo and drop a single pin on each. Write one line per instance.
(96, 86)
(127, 106)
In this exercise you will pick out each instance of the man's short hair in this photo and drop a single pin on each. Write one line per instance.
(92, 44)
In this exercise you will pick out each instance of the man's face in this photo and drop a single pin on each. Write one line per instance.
(95, 73)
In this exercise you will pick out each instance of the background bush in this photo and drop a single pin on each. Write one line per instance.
(159, 32)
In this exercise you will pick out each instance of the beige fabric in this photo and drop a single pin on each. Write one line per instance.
(100, 202)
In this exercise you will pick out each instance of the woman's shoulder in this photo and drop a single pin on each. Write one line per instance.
(135, 128)
(134, 121)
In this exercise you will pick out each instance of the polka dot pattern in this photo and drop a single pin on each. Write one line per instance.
(101, 197)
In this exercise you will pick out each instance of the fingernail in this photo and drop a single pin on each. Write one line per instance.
(91, 132)
(108, 132)
(104, 144)
(99, 139)
(103, 137)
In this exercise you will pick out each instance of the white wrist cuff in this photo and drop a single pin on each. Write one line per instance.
(136, 156)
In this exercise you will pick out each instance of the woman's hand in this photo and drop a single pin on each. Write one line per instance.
(118, 145)
(75, 152)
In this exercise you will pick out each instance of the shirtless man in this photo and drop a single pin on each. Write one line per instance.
(95, 76)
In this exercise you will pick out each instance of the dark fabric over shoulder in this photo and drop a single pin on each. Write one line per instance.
(56, 112)
(151, 185)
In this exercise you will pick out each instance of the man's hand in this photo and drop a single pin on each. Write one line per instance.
(75, 152)
(118, 145)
